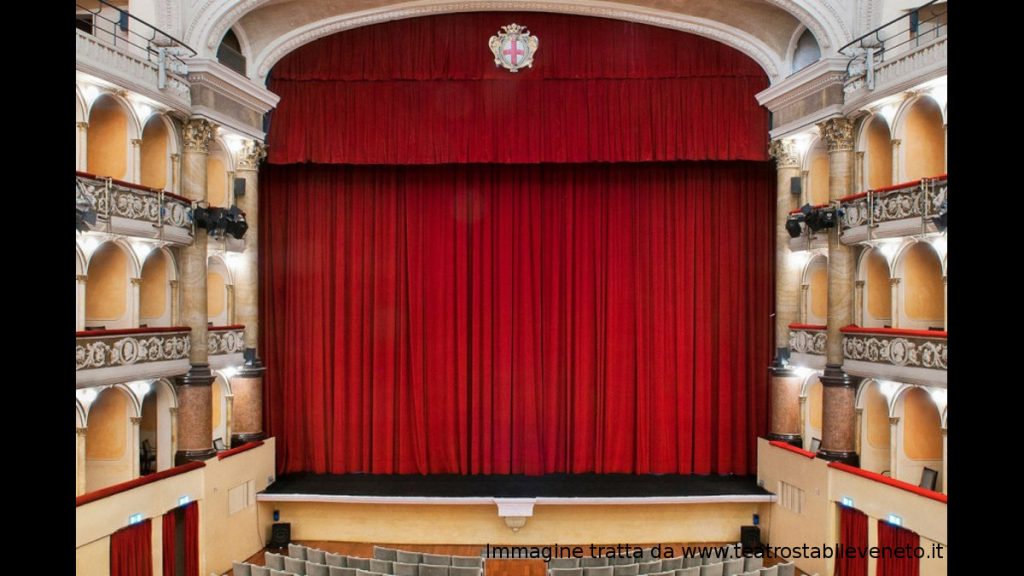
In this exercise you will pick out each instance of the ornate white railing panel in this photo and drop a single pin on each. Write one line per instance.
(112, 356)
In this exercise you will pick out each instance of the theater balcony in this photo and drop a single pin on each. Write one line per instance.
(134, 210)
(111, 356)
(894, 211)
(913, 356)
(807, 345)
(225, 345)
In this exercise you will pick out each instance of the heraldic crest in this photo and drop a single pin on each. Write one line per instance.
(513, 47)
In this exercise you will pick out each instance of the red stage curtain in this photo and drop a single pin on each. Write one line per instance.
(192, 539)
(426, 91)
(853, 533)
(517, 319)
(131, 550)
(168, 542)
(894, 537)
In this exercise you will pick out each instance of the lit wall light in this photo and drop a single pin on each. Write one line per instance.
(143, 110)
(888, 248)
(235, 143)
(89, 243)
(938, 396)
(939, 243)
(799, 258)
(888, 112)
(229, 372)
(894, 520)
(802, 142)
(803, 371)
(847, 501)
(888, 388)
(135, 518)
(140, 387)
(86, 395)
(938, 92)
(90, 93)
(142, 249)
(184, 500)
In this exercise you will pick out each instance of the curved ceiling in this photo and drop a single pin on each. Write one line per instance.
(763, 29)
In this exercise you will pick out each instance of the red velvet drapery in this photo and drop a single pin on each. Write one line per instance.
(853, 534)
(426, 91)
(168, 542)
(131, 550)
(891, 563)
(192, 539)
(517, 319)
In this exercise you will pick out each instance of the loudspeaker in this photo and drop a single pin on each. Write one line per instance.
(794, 185)
(750, 538)
(280, 535)
(239, 186)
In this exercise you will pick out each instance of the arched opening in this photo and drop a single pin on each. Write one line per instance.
(155, 291)
(814, 393)
(877, 154)
(217, 164)
(155, 429)
(109, 447)
(920, 436)
(229, 53)
(922, 294)
(817, 174)
(218, 303)
(107, 299)
(924, 140)
(875, 434)
(220, 389)
(107, 139)
(816, 297)
(877, 290)
(807, 51)
(155, 154)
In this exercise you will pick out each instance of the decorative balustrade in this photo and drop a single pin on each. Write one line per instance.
(136, 210)
(893, 211)
(225, 345)
(917, 356)
(807, 344)
(111, 356)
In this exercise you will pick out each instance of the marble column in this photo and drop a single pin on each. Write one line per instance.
(135, 162)
(894, 446)
(839, 418)
(195, 394)
(82, 159)
(247, 384)
(80, 281)
(135, 297)
(80, 434)
(784, 416)
(897, 166)
(135, 442)
(175, 303)
(894, 299)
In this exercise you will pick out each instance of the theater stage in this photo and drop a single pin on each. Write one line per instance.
(560, 508)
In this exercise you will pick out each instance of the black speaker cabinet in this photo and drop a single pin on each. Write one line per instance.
(750, 538)
(280, 535)
(239, 186)
(794, 185)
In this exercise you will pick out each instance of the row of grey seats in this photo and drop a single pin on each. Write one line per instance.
(306, 561)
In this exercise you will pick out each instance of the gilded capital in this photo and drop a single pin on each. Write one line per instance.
(784, 153)
(251, 155)
(837, 133)
(198, 133)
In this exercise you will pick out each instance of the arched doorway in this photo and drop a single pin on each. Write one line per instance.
(110, 448)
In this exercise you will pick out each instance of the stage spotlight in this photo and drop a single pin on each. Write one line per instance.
(793, 225)
(821, 218)
(236, 224)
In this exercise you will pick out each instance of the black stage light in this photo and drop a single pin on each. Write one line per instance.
(793, 225)
(821, 218)
(85, 214)
(202, 217)
(940, 220)
(236, 224)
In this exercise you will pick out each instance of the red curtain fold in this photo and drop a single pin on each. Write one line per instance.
(853, 534)
(517, 319)
(192, 539)
(131, 550)
(892, 538)
(168, 542)
(426, 91)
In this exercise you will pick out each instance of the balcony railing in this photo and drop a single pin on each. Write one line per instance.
(905, 50)
(225, 345)
(807, 344)
(136, 210)
(916, 356)
(898, 210)
(111, 356)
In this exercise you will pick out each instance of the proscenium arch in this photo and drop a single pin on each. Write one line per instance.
(826, 22)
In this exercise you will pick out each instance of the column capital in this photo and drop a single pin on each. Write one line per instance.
(173, 283)
(81, 278)
(135, 281)
(136, 142)
(173, 410)
(858, 411)
(784, 152)
(252, 153)
(837, 133)
(858, 283)
(81, 431)
(197, 134)
(82, 125)
(894, 420)
(135, 420)
(894, 281)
